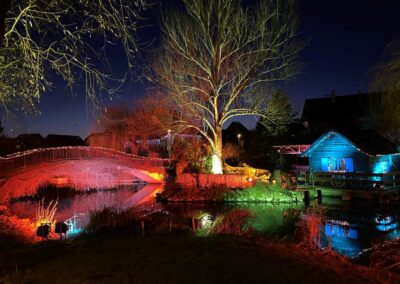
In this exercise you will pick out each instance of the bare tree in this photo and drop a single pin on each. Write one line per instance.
(218, 60)
(386, 80)
(112, 129)
(149, 116)
(43, 41)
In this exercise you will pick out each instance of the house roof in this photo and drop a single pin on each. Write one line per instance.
(366, 140)
(334, 107)
(54, 140)
(297, 134)
(297, 139)
(30, 136)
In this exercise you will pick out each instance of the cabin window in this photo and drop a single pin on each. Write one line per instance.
(382, 167)
(337, 165)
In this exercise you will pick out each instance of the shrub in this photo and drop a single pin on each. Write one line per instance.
(261, 193)
(109, 220)
(45, 215)
(309, 230)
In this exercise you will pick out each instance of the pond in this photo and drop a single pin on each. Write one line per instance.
(347, 228)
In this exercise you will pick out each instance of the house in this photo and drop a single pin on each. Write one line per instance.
(54, 140)
(345, 113)
(362, 156)
(355, 151)
(29, 141)
(339, 112)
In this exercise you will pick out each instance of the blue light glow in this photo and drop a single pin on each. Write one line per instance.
(333, 230)
(385, 228)
(382, 164)
(384, 220)
(337, 165)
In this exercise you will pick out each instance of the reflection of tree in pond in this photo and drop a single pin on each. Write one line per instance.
(274, 219)
(236, 222)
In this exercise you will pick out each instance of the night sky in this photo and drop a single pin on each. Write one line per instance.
(347, 38)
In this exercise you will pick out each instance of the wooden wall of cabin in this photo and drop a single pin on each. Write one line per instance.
(335, 146)
(385, 163)
(395, 163)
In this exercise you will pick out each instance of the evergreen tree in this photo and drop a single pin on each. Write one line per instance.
(386, 79)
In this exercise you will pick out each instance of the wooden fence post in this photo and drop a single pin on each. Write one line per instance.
(142, 227)
(306, 197)
(319, 194)
(193, 227)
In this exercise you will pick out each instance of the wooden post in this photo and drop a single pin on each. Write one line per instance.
(142, 227)
(193, 226)
(394, 180)
(306, 197)
(170, 224)
(319, 195)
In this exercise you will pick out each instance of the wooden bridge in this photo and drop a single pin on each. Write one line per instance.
(80, 167)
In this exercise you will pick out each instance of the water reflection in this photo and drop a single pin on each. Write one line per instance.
(346, 228)
(75, 210)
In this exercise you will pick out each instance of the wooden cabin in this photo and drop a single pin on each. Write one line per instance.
(354, 159)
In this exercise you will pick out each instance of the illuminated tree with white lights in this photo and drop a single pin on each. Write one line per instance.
(219, 59)
(48, 41)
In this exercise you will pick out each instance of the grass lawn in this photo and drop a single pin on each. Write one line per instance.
(178, 259)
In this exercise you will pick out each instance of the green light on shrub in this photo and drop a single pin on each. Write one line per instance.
(262, 193)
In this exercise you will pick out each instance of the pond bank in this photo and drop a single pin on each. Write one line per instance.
(13, 228)
(384, 256)
(260, 192)
(181, 259)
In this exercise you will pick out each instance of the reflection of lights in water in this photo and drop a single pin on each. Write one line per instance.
(206, 221)
(341, 238)
(339, 222)
(382, 220)
(394, 234)
(335, 230)
(385, 223)
(73, 224)
(387, 227)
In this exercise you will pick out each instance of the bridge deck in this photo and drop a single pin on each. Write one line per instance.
(43, 155)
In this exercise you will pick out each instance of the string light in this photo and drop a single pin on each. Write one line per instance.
(328, 135)
(29, 157)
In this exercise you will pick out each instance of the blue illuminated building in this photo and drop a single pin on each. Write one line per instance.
(356, 151)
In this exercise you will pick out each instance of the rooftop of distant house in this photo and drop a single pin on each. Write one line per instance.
(335, 107)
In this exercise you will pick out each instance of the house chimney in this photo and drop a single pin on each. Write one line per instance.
(333, 96)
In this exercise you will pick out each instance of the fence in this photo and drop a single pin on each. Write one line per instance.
(364, 181)
(41, 155)
(204, 180)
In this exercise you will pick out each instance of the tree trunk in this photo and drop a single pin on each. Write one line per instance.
(217, 152)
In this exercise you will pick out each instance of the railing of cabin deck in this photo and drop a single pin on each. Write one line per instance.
(43, 155)
(363, 181)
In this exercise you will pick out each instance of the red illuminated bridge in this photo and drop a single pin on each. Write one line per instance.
(79, 167)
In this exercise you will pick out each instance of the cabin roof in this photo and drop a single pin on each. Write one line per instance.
(368, 141)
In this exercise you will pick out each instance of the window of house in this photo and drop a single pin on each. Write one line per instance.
(337, 164)
(382, 167)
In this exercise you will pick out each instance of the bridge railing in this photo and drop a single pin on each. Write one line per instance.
(36, 156)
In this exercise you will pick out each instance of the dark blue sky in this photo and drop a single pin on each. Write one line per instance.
(347, 38)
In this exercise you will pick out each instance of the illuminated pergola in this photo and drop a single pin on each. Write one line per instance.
(291, 149)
